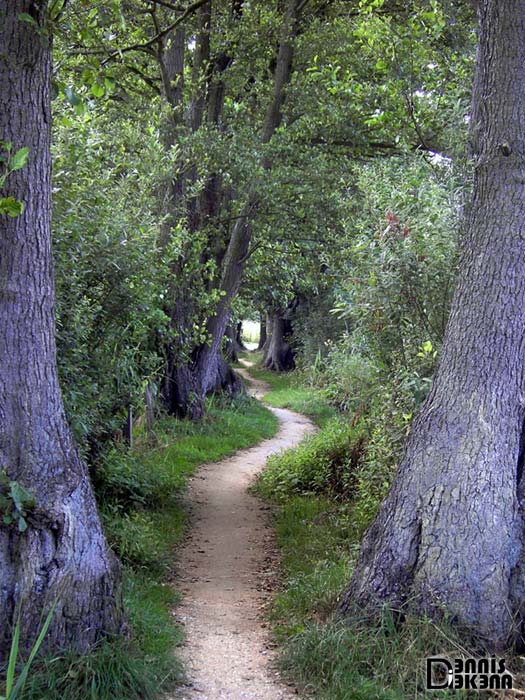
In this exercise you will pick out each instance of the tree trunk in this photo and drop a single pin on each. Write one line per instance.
(238, 337)
(239, 242)
(278, 355)
(62, 555)
(203, 371)
(450, 533)
(262, 333)
(230, 337)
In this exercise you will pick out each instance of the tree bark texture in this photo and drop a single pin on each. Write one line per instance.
(263, 332)
(279, 355)
(450, 533)
(237, 249)
(63, 555)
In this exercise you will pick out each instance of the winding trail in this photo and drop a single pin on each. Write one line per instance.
(226, 565)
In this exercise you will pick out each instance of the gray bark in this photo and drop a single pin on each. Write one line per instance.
(450, 532)
(263, 334)
(239, 242)
(278, 355)
(63, 555)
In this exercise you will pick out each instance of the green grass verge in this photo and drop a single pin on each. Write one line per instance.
(316, 489)
(140, 500)
(288, 391)
(352, 659)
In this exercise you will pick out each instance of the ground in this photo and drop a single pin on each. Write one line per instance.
(226, 567)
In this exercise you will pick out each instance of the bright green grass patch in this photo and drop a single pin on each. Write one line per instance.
(144, 539)
(325, 463)
(144, 518)
(151, 478)
(287, 391)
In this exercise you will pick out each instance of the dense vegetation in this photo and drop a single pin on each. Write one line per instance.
(325, 494)
(144, 514)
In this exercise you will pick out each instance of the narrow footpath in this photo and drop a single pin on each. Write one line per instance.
(225, 567)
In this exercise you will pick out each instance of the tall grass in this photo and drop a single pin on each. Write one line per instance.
(140, 496)
(325, 493)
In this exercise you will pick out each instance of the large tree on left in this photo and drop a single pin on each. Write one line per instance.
(63, 555)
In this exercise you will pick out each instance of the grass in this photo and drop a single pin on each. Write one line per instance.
(140, 499)
(134, 668)
(352, 659)
(312, 536)
(288, 391)
(315, 489)
(357, 660)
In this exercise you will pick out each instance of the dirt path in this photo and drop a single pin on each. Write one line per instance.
(224, 567)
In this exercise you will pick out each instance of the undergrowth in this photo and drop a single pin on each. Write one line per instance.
(287, 390)
(326, 492)
(139, 495)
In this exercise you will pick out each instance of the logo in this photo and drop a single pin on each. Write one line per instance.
(467, 674)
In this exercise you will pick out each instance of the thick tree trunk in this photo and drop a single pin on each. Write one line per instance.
(62, 555)
(278, 355)
(450, 532)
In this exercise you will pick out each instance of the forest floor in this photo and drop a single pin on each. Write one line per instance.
(226, 567)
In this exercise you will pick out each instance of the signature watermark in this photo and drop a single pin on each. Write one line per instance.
(467, 674)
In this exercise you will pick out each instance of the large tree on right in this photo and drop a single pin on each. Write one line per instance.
(450, 534)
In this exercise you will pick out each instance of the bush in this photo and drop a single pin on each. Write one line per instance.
(325, 463)
(127, 479)
(144, 538)
(350, 380)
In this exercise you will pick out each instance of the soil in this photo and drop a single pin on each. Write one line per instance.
(227, 566)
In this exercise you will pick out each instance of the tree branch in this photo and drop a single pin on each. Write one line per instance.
(146, 46)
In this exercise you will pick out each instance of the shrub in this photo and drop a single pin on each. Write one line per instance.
(125, 478)
(324, 463)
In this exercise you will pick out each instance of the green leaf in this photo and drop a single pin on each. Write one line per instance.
(11, 666)
(25, 17)
(22, 498)
(80, 109)
(109, 84)
(72, 97)
(97, 90)
(11, 206)
(19, 159)
(23, 676)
